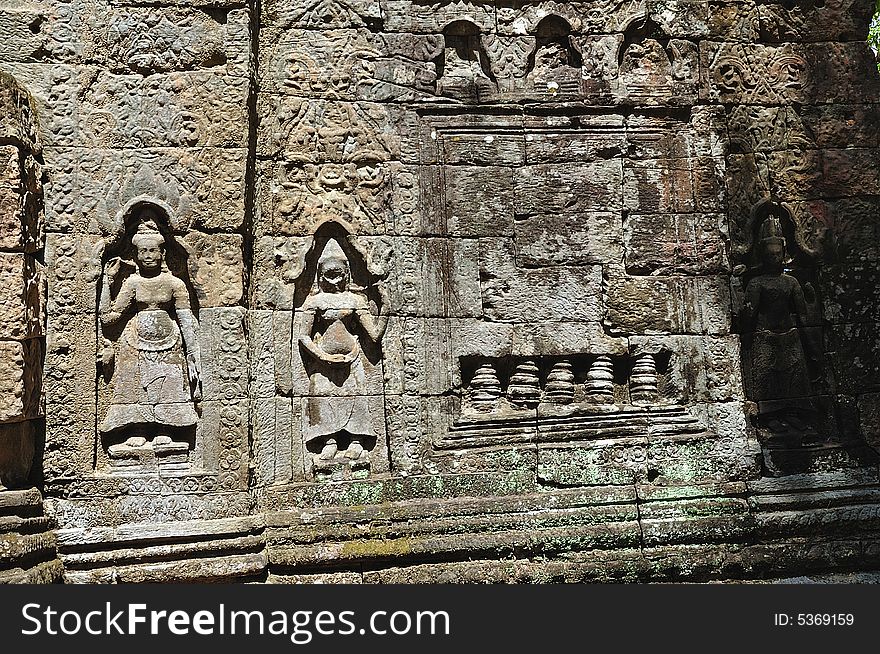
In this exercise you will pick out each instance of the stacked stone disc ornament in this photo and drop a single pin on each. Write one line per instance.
(600, 381)
(643, 381)
(485, 389)
(524, 388)
(560, 384)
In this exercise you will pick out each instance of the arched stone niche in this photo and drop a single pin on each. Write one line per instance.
(149, 388)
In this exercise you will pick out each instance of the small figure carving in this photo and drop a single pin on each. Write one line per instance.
(340, 420)
(465, 68)
(643, 381)
(485, 389)
(560, 383)
(555, 65)
(775, 308)
(600, 381)
(524, 388)
(155, 363)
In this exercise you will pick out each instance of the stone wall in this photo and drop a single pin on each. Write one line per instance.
(444, 290)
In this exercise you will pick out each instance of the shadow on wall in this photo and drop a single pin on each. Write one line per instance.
(803, 181)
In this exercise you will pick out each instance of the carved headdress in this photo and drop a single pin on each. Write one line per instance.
(771, 231)
(333, 252)
(147, 232)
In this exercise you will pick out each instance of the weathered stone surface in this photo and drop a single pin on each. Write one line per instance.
(674, 185)
(567, 239)
(823, 173)
(512, 294)
(88, 188)
(683, 305)
(21, 296)
(217, 267)
(692, 244)
(426, 282)
(842, 20)
(17, 449)
(554, 188)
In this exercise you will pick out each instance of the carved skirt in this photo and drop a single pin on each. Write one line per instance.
(336, 402)
(778, 366)
(150, 380)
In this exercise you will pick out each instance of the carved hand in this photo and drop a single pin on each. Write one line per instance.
(809, 293)
(112, 268)
(385, 296)
(108, 355)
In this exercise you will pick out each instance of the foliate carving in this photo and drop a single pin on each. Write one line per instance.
(761, 129)
(159, 509)
(751, 74)
(18, 120)
(12, 386)
(216, 267)
(323, 14)
(153, 355)
(233, 468)
(202, 187)
(181, 109)
(340, 132)
(597, 17)
(21, 296)
(404, 415)
(815, 20)
(508, 59)
(334, 166)
(339, 334)
(356, 195)
(334, 65)
(151, 40)
(405, 188)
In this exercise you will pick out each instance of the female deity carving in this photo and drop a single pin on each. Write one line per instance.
(775, 308)
(156, 360)
(335, 319)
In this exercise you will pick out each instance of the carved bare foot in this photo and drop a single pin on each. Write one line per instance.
(162, 440)
(329, 450)
(135, 441)
(354, 450)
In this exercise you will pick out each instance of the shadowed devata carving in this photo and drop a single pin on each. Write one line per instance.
(774, 315)
(155, 361)
(336, 316)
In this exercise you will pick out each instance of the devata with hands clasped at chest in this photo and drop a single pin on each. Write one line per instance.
(334, 317)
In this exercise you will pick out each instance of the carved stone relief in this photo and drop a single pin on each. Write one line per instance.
(783, 345)
(443, 278)
(151, 355)
(22, 279)
(338, 333)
